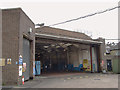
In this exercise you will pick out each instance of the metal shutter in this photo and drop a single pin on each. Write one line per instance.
(26, 58)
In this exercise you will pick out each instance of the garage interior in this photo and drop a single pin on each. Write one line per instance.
(53, 57)
(62, 56)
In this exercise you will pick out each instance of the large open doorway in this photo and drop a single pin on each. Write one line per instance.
(64, 56)
(53, 57)
(109, 65)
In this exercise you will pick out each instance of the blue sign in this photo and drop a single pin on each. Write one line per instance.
(20, 61)
(16, 62)
(33, 71)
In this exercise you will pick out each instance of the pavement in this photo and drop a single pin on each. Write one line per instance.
(73, 80)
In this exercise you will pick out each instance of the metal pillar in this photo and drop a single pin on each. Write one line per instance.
(91, 57)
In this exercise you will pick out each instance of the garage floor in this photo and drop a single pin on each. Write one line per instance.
(74, 80)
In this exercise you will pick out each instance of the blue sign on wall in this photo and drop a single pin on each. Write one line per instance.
(37, 68)
(20, 61)
(33, 71)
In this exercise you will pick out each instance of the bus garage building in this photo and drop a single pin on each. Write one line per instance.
(57, 50)
(62, 50)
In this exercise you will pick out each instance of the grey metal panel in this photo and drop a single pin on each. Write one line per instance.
(26, 58)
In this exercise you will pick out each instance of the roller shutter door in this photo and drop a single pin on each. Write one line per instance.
(26, 58)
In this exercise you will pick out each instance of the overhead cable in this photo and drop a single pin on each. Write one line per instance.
(89, 15)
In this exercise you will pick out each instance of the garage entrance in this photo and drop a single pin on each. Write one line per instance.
(53, 57)
(64, 57)
(109, 65)
(60, 53)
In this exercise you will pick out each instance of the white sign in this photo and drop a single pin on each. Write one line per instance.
(9, 61)
(20, 70)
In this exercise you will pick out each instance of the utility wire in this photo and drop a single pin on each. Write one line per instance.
(112, 39)
(89, 15)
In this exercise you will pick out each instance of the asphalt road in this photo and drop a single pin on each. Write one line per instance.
(74, 80)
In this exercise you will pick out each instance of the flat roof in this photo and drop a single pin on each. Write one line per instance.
(20, 9)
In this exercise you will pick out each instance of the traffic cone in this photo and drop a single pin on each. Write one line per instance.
(23, 80)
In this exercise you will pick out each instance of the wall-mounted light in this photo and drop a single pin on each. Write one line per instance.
(30, 30)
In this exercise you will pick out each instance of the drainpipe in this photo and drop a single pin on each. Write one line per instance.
(91, 57)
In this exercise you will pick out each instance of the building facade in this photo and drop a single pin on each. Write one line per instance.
(18, 46)
(113, 57)
(58, 50)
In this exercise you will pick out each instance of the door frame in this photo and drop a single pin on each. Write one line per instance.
(31, 55)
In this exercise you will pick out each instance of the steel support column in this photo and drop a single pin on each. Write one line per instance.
(91, 57)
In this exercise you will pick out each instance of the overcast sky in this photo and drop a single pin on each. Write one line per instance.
(55, 11)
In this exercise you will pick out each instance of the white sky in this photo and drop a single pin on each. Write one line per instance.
(55, 11)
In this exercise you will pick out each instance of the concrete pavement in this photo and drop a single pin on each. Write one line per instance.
(74, 80)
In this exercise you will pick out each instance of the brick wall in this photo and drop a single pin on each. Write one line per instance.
(25, 25)
(15, 26)
(10, 27)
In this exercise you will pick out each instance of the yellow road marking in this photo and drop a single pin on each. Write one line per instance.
(81, 77)
(68, 78)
